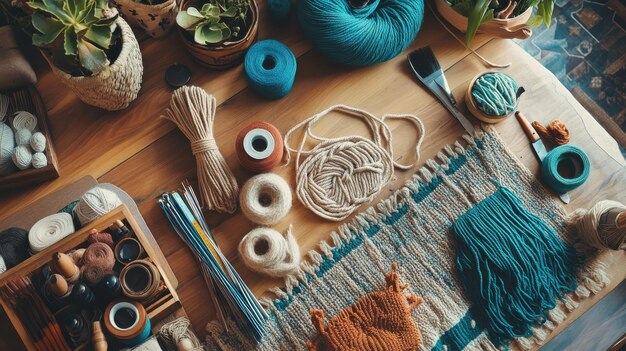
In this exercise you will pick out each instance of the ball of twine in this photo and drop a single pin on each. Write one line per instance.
(267, 251)
(49, 230)
(100, 254)
(95, 203)
(7, 144)
(24, 119)
(556, 131)
(92, 273)
(22, 157)
(265, 198)
(38, 142)
(39, 160)
(13, 246)
(22, 136)
(100, 237)
(599, 231)
(495, 94)
(178, 335)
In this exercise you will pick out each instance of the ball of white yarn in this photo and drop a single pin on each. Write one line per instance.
(22, 156)
(38, 142)
(7, 144)
(265, 198)
(39, 160)
(22, 136)
(50, 230)
(95, 203)
(267, 251)
(3, 266)
(596, 234)
(24, 119)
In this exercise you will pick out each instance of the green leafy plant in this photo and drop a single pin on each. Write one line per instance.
(216, 22)
(482, 11)
(78, 34)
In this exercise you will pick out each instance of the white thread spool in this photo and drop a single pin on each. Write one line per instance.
(95, 203)
(38, 142)
(50, 230)
(39, 160)
(267, 251)
(7, 144)
(265, 198)
(22, 136)
(262, 136)
(24, 119)
(22, 157)
(4, 106)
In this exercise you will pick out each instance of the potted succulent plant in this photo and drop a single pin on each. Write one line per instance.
(156, 17)
(90, 49)
(218, 32)
(500, 18)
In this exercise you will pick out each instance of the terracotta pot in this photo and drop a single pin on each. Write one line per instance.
(156, 20)
(510, 28)
(474, 110)
(227, 54)
(115, 88)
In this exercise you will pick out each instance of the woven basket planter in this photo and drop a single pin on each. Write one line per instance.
(227, 54)
(510, 28)
(115, 88)
(156, 20)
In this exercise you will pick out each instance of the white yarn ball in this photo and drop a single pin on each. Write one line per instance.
(38, 142)
(265, 198)
(95, 203)
(3, 266)
(7, 144)
(39, 160)
(22, 136)
(267, 251)
(22, 156)
(24, 119)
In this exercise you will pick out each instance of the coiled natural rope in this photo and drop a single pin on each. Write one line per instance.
(265, 199)
(267, 251)
(340, 174)
(193, 111)
(556, 131)
(600, 232)
(50, 230)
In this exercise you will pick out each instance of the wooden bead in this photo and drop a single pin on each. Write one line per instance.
(98, 339)
(58, 285)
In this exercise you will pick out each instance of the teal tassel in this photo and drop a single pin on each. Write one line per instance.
(512, 265)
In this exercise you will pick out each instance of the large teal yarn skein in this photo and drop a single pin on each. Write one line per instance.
(570, 154)
(495, 94)
(271, 68)
(360, 37)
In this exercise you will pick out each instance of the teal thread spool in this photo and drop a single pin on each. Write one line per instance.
(565, 157)
(493, 96)
(279, 9)
(271, 68)
(360, 33)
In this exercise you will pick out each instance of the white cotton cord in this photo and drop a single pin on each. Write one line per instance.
(267, 251)
(23, 119)
(50, 230)
(95, 203)
(265, 199)
(603, 226)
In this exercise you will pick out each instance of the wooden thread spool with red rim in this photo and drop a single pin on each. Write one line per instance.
(259, 147)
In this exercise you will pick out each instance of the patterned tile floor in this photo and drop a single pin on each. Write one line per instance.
(585, 47)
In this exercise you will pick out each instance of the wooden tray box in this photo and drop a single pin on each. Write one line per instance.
(157, 309)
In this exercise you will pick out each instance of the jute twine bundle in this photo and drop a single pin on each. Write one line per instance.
(193, 111)
(178, 335)
(340, 174)
(115, 88)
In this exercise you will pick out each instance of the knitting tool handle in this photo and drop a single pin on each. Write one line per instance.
(527, 127)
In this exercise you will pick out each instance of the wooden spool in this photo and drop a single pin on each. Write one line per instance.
(471, 105)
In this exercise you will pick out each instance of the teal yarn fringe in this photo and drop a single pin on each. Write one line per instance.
(512, 265)
(573, 157)
(279, 9)
(360, 37)
(271, 68)
(495, 94)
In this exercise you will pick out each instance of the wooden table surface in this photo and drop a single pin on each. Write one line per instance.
(146, 155)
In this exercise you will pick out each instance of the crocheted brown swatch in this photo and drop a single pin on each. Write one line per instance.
(380, 320)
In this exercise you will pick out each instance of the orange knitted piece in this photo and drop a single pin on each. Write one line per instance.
(556, 131)
(378, 321)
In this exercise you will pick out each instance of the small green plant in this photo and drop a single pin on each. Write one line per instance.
(76, 33)
(217, 21)
(482, 11)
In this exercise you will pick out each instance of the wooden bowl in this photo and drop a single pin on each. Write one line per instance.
(227, 54)
(471, 105)
(510, 28)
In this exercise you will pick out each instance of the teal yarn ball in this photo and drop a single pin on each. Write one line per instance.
(359, 37)
(495, 94)
(271, 68)
(279, 9)
(570, 157)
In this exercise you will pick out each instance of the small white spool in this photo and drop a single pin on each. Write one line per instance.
(7, 144)
(118, 306)
(95, 203)
(38, 142)
(39, 160)
(22, 136)
(24, 119)
(265, 198)
(22, 156)
(50, 230)
(267, 251)
(4, 106)
(256, 135)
